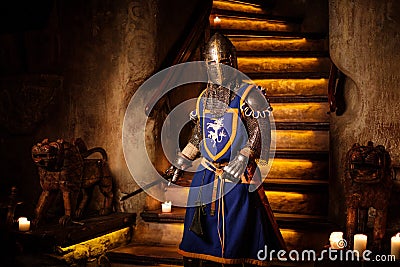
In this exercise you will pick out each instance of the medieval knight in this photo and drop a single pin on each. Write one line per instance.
(227, 223)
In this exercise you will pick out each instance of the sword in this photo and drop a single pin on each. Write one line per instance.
(134, 193)
(168, 180)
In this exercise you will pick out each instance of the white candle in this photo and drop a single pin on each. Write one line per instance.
(360, 243)
(336, 240)
(166, 206)
(23, 224)
(395, 246)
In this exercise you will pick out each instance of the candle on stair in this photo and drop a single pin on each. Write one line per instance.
(336, 240)
(395, 246)
(360, 243)
(24, 224)
(166, 206)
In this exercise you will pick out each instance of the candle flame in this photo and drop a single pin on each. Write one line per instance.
(398, 235)
(217, 19)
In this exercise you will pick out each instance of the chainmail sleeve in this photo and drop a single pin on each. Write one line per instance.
(259, 138)
(255, 115)
(258, 145)
(197, 135)
(192, 150)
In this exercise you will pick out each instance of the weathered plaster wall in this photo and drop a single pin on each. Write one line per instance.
(104, 50)
(111, 51)
(364, 41)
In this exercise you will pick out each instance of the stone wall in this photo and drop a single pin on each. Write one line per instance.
(103, 50)
(364, 40)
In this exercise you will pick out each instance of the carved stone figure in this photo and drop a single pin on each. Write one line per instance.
(368, 183)
(63, 166)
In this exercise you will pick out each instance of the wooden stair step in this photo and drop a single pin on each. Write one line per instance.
(277, 53)
(304, 223)
(272, 44)
(300, 231)
(288, 75)
(297, 185)
(312, 203)
(301, 154)
(177, 215)
(285, 220)
(309, 126)
(302, 140)
(297, 169)
(283, 64)
(315, 239)
(300, 219)
(292, 88)
(300, 112)
(251, 13)
(254, 7)
(249, 23)
(239, 6)
(249, 33)
(312, 99)
(162, 256)
(145, 254)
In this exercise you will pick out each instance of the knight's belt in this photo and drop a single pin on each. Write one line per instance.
(217, 168)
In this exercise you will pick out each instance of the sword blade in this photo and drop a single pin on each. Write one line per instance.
(134, 193)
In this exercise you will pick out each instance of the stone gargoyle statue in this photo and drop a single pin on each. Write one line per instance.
(368, 183)
(64, 167)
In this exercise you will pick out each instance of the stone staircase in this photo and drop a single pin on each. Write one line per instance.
(294, 68)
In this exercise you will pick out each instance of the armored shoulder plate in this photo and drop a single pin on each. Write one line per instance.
(256, 104)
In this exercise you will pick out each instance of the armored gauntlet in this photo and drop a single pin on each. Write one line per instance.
(236, 167)
(182, 161)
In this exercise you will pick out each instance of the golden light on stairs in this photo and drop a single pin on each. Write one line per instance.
(296, 169)
(294, 87)
(282, 64)
(238, 6)
(238, 23)
(302, 140)
(300, 112)
(277, 44)
(296, 202)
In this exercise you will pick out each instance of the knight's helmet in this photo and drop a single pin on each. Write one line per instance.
(219, 50)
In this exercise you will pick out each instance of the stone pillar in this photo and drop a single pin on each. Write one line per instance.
(364, 40)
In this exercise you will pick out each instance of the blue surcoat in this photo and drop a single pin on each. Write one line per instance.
(239, 228)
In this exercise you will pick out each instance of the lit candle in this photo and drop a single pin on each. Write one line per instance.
(217, 20)
(336, 240)
(166, 206)
(395, 246)
(23, 224)
(360, 243)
